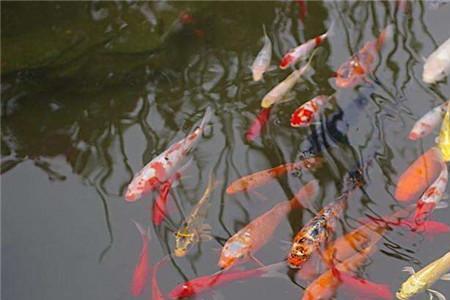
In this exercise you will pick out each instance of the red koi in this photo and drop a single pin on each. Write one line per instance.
(414, 181)
(364, 288)
(142, 269)
(204, 283)
(355, 70)
(258, 125)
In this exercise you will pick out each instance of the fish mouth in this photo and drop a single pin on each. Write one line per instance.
(225, 263)
(131, 197)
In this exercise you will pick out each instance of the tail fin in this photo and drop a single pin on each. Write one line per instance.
(331, 30)
(306, 195)
(264, 30)
(144, 233)
(386, 35)
(206, 117)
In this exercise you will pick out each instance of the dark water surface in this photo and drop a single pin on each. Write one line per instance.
(91, 91)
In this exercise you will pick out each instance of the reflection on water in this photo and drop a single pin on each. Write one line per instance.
(92, 91)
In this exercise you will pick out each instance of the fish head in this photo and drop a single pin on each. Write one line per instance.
(409, 288)
(258, 72)
(139, 186)
(183, 242)
(434, 70)
(286, 60)
(301, 117)
(301, 251)
(231, 252)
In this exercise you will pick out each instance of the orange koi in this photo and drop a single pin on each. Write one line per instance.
(260, 178)
(414, 181)
(325, 286)
(142, 269)
(355, 70)
(252, 237)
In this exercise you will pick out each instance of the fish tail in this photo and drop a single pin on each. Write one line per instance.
(144, 233)
(273, 270)
(206, 117)
(264, 29)
(306, 195)
(331, 31)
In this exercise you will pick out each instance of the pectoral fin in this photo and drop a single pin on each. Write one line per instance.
(205, 232)
(435, 293)
(445, 277)
(409, 270)
(441, 204)
(257, 261)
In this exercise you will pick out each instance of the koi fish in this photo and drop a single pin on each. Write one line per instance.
(437, 65)
(325, 286)
(428, 122)
(422, 280)
(193, 229)
(355, 70)
(165, 165)
(262, 60)
(260, 178)
(305, 115)
(432, 197)
(315, 233)
(156, 292)
(252, 237)
(204, 283)
(419, 175)
(257, 126)
(301, 51)
(142, 269)
(444, 136)
(278, 93)
(159, 205)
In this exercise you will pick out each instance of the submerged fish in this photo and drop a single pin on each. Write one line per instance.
(193, 229)
(437, 65)
(419, 175)
(204, 283)
(258, 125)
(306, 114)
(156, 292)
(278, 93)
(262, 60)
(315, 233)
(428, 122)
(444, 136)
(422, 280)
(141, 271)
(355, 70)
(262, 177)
(165, 165)
(325, 286)
(432, 197)
(303, 50)
(253, 236)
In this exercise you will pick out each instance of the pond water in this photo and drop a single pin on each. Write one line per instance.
(92, 91)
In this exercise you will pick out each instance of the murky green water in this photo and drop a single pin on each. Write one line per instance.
(92, 91)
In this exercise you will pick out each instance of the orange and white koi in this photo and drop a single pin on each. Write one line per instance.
(355, 70)
(165, 165)
(428, 122)
(279, 92)
(253, 236)
(315, 233)
(302, 51)
(305, 114)
(437, 65)
(419, 175)
(142, 269)
(262, 60)
(260, 178)
(432, 197)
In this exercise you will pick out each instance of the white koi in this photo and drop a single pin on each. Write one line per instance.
(428, 122)
(437, 65)
(262, 60)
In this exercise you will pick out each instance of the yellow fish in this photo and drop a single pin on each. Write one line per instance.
(444, 136)
(421, 281)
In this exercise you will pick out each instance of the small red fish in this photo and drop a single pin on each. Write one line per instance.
(306, 114)
(204, 283)
(142, 269)
(258, 125)
(355, 70)
(159, 206)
